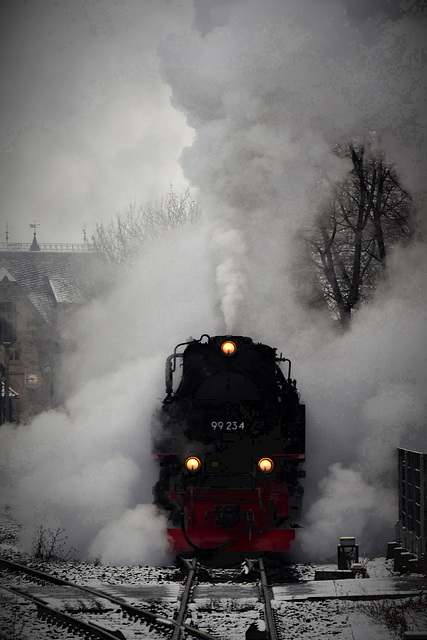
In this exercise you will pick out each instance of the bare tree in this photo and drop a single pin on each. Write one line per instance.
(122, 238)
(365, 215)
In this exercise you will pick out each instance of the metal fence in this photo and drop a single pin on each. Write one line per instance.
(411, 528)
(45, 246)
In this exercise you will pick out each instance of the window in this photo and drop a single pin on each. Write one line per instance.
(7, 322)
(15, 352)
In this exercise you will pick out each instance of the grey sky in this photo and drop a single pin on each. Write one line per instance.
(86, 122)
(87, 125)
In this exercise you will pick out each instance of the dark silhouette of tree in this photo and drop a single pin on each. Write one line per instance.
(122, 238)
(366, 213)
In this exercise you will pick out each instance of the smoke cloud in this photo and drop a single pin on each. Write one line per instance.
(365, 392)
(139, 533)
(269, 90)
(76, 469)
(88, 468)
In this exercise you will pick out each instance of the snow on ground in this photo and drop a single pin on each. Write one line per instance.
(226, 616)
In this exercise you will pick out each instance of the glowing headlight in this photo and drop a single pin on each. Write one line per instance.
(228, 348)
(193, 464)
(266, 465)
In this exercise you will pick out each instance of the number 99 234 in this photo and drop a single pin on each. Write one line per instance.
(227, 426)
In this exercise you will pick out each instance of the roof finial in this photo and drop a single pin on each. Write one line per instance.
(34, 244)
(7, 233)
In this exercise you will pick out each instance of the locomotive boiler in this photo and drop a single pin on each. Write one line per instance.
(230, 447)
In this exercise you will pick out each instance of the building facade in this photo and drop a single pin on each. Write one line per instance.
(37, 291)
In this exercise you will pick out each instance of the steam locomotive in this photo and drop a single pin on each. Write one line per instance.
(231, 447)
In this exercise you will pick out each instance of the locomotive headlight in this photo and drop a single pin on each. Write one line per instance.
(193, 464)
(266, 465)
(228, 348)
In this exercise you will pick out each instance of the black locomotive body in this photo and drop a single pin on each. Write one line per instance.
(231, 447)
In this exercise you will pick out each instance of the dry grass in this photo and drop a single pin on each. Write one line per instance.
(395, 615)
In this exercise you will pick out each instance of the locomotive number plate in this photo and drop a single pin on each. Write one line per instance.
(227, 426)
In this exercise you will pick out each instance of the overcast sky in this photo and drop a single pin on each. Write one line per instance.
(87, 125)
(87, 120)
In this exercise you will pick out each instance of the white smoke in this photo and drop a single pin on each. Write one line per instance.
(138, 533)
(269, 89)
(87, 469)
(229, 247)
(366, 395)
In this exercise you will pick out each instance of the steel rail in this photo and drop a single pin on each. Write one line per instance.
(131, 611)
(45, 612)
(269, 618)
(178, 631)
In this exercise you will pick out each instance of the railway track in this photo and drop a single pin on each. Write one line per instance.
(172, 628)
(200, 602)
(213, 585)
(166, 626)
(270, 622)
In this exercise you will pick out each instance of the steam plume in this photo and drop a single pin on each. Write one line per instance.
(269, 90)
(87, 469)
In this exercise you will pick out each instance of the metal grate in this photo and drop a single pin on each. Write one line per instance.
(412, 483)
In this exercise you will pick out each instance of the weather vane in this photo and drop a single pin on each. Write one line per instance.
(34, 226)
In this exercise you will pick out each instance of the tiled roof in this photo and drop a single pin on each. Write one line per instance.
(50, 278)
(4, 273)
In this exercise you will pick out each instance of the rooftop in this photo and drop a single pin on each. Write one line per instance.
(49, 278)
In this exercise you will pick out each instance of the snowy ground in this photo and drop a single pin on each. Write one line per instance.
(225, 614)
